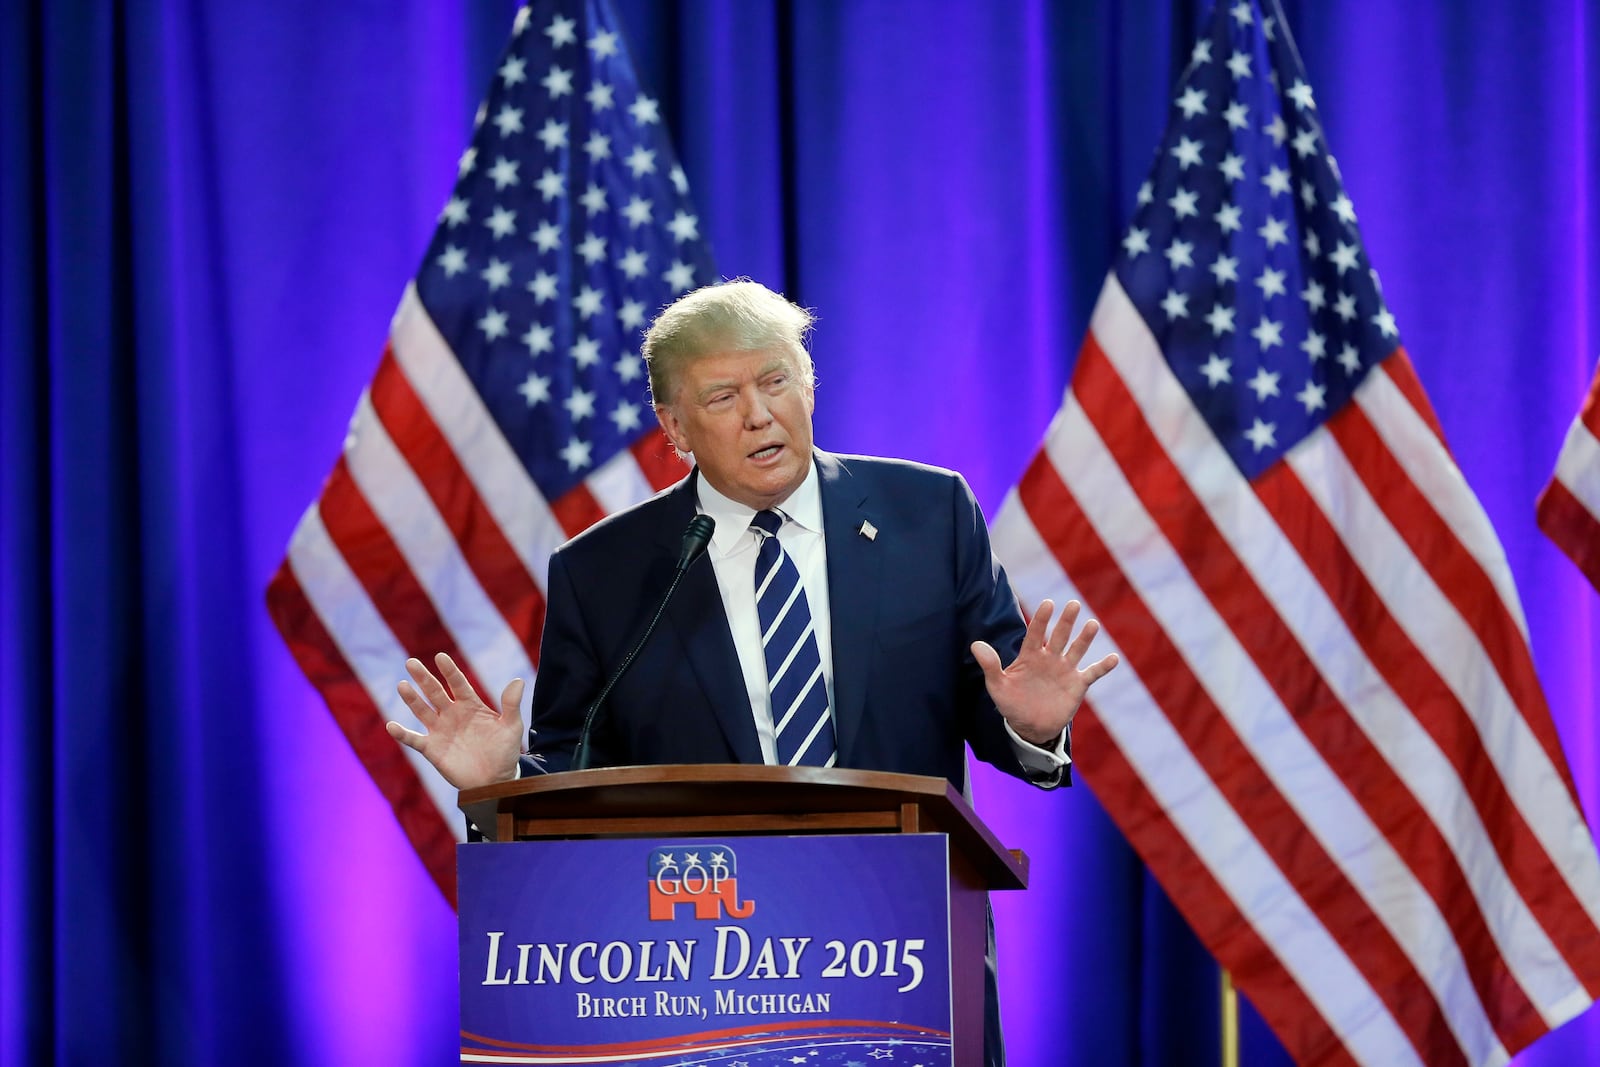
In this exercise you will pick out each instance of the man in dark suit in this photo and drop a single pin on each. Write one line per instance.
(852, 613)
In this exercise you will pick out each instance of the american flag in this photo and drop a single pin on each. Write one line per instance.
(510, 408)
(1327, 740)
(1569, 506)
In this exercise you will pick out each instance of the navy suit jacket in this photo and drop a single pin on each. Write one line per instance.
(905, 606)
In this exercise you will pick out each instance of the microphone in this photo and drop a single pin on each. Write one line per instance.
(695, 539)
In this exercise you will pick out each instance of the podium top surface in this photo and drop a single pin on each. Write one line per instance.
(690, 791)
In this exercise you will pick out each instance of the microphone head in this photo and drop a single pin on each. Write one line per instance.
(695, 539)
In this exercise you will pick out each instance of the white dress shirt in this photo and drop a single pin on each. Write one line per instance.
(732, 552)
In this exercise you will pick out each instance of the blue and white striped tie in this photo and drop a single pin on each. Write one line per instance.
(794, 667)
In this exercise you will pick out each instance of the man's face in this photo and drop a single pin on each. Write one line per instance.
(746, 416)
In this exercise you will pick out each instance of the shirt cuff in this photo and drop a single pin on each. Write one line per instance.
(1038, 760)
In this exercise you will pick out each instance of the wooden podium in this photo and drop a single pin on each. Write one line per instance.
(732, 801)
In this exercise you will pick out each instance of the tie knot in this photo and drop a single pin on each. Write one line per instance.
(767, 522)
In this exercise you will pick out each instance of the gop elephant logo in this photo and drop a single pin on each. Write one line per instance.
(710, 884)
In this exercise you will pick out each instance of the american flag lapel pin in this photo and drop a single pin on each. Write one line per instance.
(867, 530)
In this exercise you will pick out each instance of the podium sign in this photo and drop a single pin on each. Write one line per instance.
(751, 950)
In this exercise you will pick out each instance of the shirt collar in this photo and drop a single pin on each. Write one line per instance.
(803, 506)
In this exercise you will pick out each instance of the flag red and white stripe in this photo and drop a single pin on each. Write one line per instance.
(1569, 507)
(509, 410)
(1326, 737)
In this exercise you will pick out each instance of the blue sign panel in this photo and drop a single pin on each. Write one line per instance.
(746, 953)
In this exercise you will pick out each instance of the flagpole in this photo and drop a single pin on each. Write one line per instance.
(1230, 1021)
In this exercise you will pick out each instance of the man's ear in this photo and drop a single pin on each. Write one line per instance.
(672, 426)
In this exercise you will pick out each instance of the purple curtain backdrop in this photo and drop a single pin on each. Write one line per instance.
(207, 214)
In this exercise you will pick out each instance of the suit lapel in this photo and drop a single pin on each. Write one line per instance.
(697, 616)
(853, 595)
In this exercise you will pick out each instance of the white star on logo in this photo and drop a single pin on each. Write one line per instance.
(1315, 346)
(1276, 130)
(680, 181)
(469, 158)
(1300, 93)
(1225, 269)
(1201, 53)
(1305, 143)
(1175, 304)
(1276, 181)
(1178, 254)
(1135, 242)
(1227, 217)
(599, 96)
(1192, 102)
(593, 199)
(1314, 296)
(1349, 359)
(1345, 307)
(1237, 116)
(1232, 167)
(603, 44)
(1239, 65)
